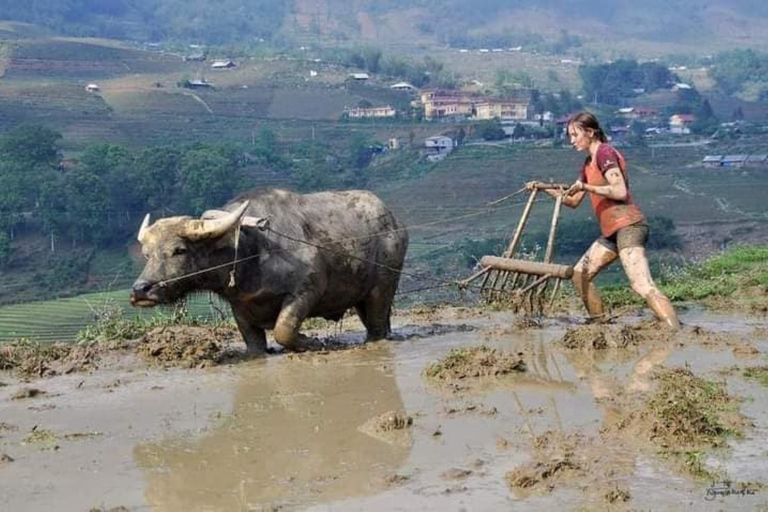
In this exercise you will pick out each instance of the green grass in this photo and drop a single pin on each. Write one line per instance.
(733, 276)
(722, 275)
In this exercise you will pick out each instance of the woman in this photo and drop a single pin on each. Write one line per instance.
(622, 224)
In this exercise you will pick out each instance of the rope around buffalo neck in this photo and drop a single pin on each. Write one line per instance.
(232, 281)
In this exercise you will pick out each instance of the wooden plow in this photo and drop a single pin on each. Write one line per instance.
(525, 282)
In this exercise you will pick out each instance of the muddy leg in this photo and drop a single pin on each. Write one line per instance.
(594, 260)
(255, 338)
(636, 267)
(376, 310)
(289, 322)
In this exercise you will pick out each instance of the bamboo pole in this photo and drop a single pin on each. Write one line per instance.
(515, 238)
(527, 267)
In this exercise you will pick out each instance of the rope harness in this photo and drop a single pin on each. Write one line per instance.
(263, 225)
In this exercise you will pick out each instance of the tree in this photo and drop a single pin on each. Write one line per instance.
(206, 178)
(490, 130)
(30, 145)
(157, 170)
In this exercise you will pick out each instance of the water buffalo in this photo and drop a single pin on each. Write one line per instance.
(300, 256)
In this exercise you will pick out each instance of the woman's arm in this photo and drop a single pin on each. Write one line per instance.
(616, 188)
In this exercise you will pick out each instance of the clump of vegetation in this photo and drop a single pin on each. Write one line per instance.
(758, 373)
(479, 361)
(687, 410)
(110, 326)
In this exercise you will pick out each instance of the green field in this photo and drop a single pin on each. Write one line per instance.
(62, 319)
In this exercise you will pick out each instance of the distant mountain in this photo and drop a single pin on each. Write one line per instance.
(557, 26)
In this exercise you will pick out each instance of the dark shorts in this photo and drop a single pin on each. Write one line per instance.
(634, 235)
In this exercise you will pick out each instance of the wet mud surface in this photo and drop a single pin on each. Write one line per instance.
(465, 409)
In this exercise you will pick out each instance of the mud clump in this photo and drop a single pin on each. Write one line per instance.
(32, 359)
(24, 393)
(472, 362)
(184, 346)
(526, 322)
(686, 411)
(617, 495)
(601, 336)
(392, 427)
(392, 420)
(555, 462)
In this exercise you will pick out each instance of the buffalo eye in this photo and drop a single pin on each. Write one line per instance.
(178, 251)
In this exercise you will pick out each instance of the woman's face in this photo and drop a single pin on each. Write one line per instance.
(580, 138)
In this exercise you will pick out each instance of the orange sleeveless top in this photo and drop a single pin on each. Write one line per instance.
(611, 214)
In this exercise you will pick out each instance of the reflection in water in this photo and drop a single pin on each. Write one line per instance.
(292, 438)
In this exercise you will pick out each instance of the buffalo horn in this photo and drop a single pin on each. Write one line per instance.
(143, 229)
(247, 220)
(211, 228)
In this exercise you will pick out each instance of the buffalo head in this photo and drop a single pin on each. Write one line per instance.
(182, 255)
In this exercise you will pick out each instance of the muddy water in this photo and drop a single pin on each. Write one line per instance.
(288, 432)
(292, 437)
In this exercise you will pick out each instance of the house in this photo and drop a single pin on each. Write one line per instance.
(438, 147)
(402, 86)
(359, 77)
(438, 104)
(92, 88)
(633, 113)
(757, 160)
(680, 123)
(223, 64)
(734, 160)
(368, 112)
(199, 84)
(501, 109)
(194, 57)
(680, 86)
(712, 160)
(441, 104)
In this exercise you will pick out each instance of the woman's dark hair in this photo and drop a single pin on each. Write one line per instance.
(587, 121)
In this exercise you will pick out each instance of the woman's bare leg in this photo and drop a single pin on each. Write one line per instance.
(594, 260)
(636, 267)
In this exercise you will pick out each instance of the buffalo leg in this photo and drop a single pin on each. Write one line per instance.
(289, 322)
(254, 336)
(375, 311)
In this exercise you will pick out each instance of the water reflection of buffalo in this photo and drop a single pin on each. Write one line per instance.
(292, 438)
(301, 256)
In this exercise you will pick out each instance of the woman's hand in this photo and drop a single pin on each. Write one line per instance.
(578, 186)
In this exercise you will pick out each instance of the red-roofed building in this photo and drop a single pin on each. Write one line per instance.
(680, 123)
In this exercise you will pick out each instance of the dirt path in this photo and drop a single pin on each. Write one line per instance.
(365, 427)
